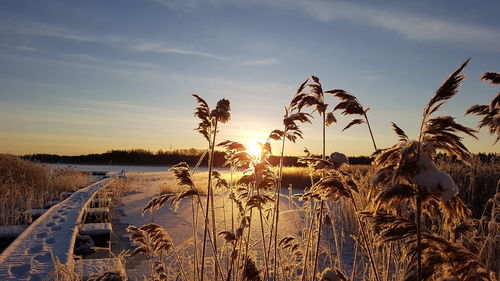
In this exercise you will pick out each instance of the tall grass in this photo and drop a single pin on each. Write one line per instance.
(291, 132)
(405, 217)
(26, 185)
(208, 127)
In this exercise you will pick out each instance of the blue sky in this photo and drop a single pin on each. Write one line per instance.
(90, 76)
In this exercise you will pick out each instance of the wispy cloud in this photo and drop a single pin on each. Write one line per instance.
(46, 30)
(182, 4)
(84, 62)
(66, 33)
(63, 32)
(26, 48)
(266, 61)
(120, 63)
(212, 85)
(411, 26)
(157, 48)
(57, 31)
(119, 106)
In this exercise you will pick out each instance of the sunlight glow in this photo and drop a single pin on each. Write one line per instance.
(254, 149)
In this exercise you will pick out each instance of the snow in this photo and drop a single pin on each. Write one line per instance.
(88, 268)
(11, 231)
(52, 236)
(425, 162)
(35, 212)
(52, 203)
(432, 179)
(95, 229)
(144, 186)
(437, 182)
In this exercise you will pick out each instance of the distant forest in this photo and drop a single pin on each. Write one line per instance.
(146, 157)
(191, 156)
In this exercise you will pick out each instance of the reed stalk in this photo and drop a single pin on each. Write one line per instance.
(209, 197)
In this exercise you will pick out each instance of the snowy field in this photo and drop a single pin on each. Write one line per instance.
(143, 186)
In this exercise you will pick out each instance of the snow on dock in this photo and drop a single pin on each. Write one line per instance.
(96, 228)
(31, 256)
(86, 268)
(35, 213)
(49, 204)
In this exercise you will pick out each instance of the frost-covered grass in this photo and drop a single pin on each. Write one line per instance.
(341, 218)
(406, 217)
(27, 185)
(477, 183)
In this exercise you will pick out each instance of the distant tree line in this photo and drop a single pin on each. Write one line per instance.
(192, 156)
(485, 158)
(146, 157)
(131, 157)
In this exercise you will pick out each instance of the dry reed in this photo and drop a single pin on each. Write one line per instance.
(404, 217)
(27, 185)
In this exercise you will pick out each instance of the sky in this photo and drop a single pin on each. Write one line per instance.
(81, 77)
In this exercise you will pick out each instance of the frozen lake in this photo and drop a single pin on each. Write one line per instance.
(114, 168)
(119, 168)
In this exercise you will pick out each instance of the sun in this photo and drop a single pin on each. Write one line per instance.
(254, 149)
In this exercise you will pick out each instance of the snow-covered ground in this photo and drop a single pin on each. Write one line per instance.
(143, 186)
(52, 236)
